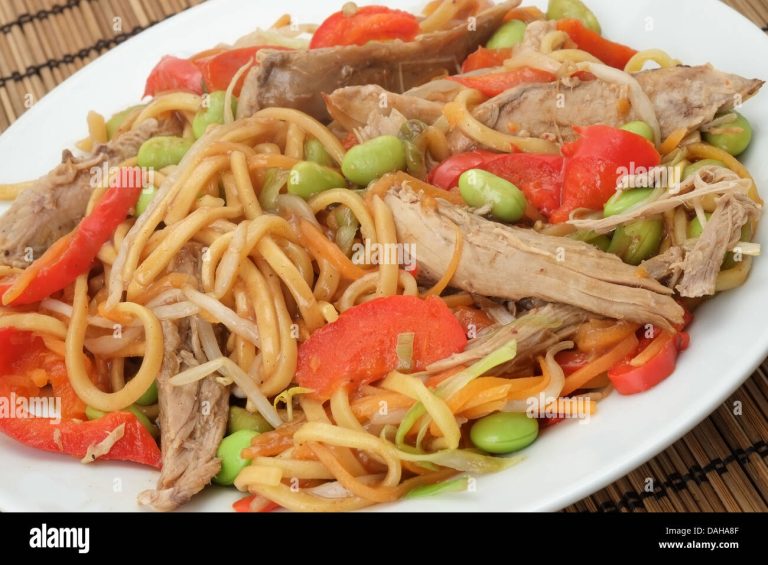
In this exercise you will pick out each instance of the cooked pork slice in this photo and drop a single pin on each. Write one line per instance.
(54, 205)
(665, 267)
(513, 263)
(193, 417)
(721, 233)
(294, 79)
(683, 98)
(535, 332)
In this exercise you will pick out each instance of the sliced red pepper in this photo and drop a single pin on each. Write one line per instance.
(539, 177)
(629, 379)
(74, 254)
(446, 174)
(493, 84)
(368, 23)
(472, 318)
(573, 360)
(594, 164)
(219, 68)
(244, 505)
(75, 437)
(360, 347)
(609, 52)
(484, 58)
(172, 74)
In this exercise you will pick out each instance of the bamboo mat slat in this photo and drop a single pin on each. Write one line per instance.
(722, 465)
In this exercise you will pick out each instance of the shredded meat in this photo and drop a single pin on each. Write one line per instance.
(193, 417)
(721, 233)
(56, 203)
(293, 79)
(513, 263)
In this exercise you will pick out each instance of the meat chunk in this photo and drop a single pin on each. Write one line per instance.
(683, 98)
(513, 263)
(721, 233)
(293, 79)
(54, 205)
(193, 417)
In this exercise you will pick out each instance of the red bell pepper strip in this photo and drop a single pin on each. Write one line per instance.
(172, 73)
(446, 174)
(360, 347)
(368, 23)
(74, 254)
(219, 68)
(610, 53)
(594, 164)
(75, 437)
(493, 84)
(629, 379)
(484, 58)
(245, 504)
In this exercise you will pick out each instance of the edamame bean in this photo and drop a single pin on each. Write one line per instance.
(212, 114)
(307, 179)
(640, 128)
(504, 432)
(149, 397)
(229, 452)
(624, 200)
(637, 241)
(373, 159)
(733, 137)
(508, 35)
(575, 9)
(480, 188)
(692, 168)
(240, 419)
(162, 151)
(145, 199)
(315, 151)
(117, 120)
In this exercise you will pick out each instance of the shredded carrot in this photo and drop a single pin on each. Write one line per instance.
(600, 365)
(672, 141)
(599, 335)
(321, 246)
(483, 409)
(366, 407)
(437, 378)
(623, 106)
(653, 348)
(453, 266)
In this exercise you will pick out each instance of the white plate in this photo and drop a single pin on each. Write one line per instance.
(569, 461)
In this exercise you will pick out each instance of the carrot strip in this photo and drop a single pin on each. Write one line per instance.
(322, 247)
(600, 335)
(600, 365)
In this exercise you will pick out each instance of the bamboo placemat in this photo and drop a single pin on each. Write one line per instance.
(719, 466)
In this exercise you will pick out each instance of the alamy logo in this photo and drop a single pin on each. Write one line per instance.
(60, 538)
(18, 407)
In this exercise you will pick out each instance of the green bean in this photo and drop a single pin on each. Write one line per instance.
(160, 152)
(640, 128)
(373, 159)
(692, 168)
(117, 120)
(637, 241)
(240, 419)
(480, 188)
(307, 179)
(229, 453)
(733, 137)
(573, 9)
(149, 397)
(504, 432)
(315, 151)
(213, 113)
(508, 35)
(145, 199)
(624, 200)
